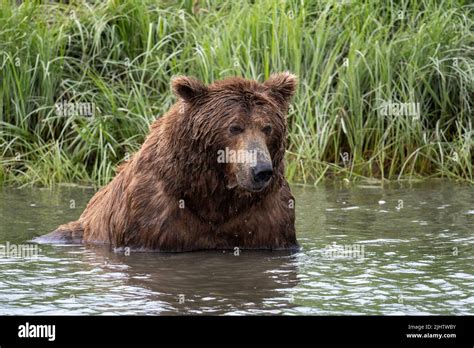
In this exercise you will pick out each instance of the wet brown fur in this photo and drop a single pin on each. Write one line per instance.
(142, 207)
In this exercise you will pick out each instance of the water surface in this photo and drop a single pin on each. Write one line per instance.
(404, 248)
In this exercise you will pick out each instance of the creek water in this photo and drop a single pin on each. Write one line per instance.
(401, 248)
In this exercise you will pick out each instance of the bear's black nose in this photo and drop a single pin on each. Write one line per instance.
(262, 172)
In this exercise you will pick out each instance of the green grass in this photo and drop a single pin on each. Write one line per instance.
(350, 57)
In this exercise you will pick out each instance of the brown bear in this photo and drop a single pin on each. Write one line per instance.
(210, 175)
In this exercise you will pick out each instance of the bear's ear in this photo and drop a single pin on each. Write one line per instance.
(282, 86)
(188, 88)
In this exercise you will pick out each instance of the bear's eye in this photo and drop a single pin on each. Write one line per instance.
(267, 129)
(234, 129)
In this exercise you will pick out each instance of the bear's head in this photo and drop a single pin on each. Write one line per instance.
(240, 124)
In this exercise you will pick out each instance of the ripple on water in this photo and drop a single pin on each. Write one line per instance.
(409, 266)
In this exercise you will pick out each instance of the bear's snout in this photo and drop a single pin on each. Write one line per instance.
(262, 173)
(256, 174)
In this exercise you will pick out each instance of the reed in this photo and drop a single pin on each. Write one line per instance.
(385, 87)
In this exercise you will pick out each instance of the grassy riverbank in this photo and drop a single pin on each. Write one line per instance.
(384, 86)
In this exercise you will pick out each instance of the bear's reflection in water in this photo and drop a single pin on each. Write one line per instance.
(210, 282)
